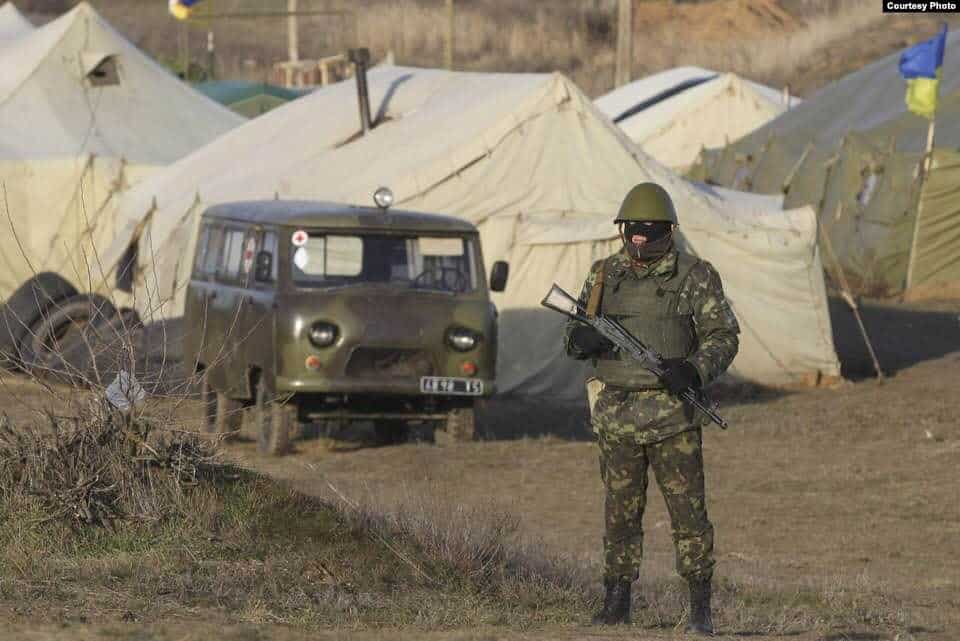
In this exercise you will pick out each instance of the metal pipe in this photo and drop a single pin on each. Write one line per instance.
(361, 59)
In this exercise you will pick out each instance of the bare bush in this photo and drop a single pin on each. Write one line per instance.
(101, 467)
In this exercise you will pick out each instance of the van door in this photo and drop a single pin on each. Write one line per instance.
(258, 309)
(193, 309)
(224, 329)
(203, 323)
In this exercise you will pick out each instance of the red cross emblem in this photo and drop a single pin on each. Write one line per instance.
(299, 238)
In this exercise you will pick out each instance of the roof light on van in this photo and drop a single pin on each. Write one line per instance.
(383, 197)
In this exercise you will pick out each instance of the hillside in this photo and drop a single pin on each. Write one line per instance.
(803, 43)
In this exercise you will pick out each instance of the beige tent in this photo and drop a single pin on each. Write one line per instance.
(530, 160)
(83, 114)
(674, 114)
(13, 24)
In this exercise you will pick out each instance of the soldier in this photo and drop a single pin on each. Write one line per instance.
(674, 303)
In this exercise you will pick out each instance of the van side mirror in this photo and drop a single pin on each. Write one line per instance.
(498, 276)
(263, 267)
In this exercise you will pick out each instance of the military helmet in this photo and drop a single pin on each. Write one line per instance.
(647, 202)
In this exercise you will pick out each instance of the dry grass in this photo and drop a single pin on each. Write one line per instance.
(769, 41)
(96, 520)
(775, 59)
(105, 519)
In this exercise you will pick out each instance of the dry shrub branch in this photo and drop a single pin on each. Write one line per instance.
(101, 468)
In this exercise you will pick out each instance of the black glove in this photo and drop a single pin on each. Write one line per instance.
(678, 375)
(589, 341)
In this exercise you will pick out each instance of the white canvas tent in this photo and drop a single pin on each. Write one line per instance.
(13, 24)
(531, 162)
(83, 114)
(673, 114)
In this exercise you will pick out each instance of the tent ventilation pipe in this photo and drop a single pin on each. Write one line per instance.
(361, 60)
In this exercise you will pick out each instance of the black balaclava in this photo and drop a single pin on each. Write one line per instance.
(659, 240)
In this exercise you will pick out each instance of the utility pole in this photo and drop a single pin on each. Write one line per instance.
(624, 68)
(293, 35)
(183, 44)
(450, 31)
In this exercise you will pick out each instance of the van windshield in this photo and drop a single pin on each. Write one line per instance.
(435, 263)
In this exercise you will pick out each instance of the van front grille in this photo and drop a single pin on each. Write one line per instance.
(381, 362)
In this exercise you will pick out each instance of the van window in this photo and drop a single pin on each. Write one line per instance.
(424, 262)
(201, 252)
(211, 250)
(232, 254)
(330, 256)
(270, 245)
(249, 254)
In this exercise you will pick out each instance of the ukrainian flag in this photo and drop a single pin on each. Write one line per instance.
(921, 66)
(181, 8)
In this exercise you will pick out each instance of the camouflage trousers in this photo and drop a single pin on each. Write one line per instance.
(677, 464)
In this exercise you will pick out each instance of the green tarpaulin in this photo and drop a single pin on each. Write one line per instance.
(250, 99)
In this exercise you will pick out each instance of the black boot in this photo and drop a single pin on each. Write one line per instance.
(701, 619)
(616, 603)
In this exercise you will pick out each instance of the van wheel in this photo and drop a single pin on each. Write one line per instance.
(229, 416)
(459, 427)
(273, 421)
(222, 414)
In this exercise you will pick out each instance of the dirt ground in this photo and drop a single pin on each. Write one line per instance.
(851, 492)
(852, 489)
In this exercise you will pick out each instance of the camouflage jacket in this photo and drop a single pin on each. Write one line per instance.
(652, 415)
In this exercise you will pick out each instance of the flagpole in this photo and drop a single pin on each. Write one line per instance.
(926, 166)
(928, 156)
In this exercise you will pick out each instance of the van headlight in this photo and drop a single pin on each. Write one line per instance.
(323, 334)
(462, 339)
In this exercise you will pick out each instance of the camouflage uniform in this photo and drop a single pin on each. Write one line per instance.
(641, 428)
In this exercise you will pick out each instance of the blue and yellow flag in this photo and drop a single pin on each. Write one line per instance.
(181, 8)
(921, 66)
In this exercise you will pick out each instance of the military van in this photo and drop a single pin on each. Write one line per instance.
(312, 312)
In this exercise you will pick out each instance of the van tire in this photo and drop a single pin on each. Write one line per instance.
(229, 416)
(460, 426)
(222, 414)
(273, 421)
(25, 307)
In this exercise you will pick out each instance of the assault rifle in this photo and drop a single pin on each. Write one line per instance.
(560, 301)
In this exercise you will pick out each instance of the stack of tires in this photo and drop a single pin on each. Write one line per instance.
(51, 330)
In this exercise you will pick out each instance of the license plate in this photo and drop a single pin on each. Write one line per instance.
(447, 385)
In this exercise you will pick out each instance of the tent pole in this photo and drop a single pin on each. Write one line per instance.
(848, 297)
(926, 165)
(293, 32)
